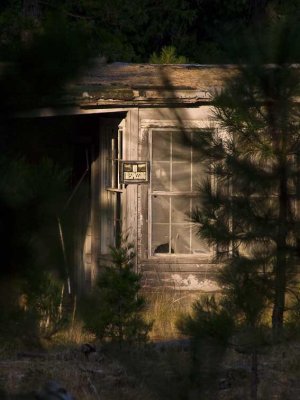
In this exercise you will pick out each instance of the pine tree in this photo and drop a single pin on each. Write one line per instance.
(251, 214)
(114, 308)
(167, 56)
(235, 320)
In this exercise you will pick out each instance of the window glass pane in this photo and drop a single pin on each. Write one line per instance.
(180, 238)
(161, 209)
(199, 246)
(161, 141)
(161, 175)
(180, 209)
(199, 173)
(181, 176)
(196, 202)
(160, 238)
(181, 146)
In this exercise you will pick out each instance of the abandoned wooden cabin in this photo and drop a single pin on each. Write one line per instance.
(143, 175)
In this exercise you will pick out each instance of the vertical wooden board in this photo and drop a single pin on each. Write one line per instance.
(143, 223)
(143, 234)
(95, 212)
(103, 195)
(82, 248)
(106, 195)
(131, 135)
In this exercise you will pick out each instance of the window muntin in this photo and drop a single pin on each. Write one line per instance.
(175, 176)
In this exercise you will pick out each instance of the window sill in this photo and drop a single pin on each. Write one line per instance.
(180, 259)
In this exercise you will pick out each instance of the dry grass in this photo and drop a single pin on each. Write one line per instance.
(145, 373)
(149, 375)
(85, 380)
(108, 376)
(75, 334)
(162, 308)
(165, 308)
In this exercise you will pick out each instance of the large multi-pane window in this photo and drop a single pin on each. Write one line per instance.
(175, 176)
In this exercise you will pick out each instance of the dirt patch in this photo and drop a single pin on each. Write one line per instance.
(152, 372)
(98, 377)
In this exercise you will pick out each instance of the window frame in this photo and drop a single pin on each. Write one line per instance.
(111, 145)
(188, 194)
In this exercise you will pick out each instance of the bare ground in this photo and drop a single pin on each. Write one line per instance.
(148, 374)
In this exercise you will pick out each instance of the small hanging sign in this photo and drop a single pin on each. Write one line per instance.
(134, 172)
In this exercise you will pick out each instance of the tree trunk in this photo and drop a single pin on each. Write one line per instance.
(254, 375)
(281, 261)
(31, 9)
(279, 297)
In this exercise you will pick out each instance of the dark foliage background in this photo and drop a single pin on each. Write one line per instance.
(122, 30)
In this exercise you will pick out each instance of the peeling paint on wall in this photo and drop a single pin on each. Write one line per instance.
(192, 283)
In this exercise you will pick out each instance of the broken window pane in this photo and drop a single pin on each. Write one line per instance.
(161, 239)
(180, 238)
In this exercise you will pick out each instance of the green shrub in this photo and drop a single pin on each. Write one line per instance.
(167, 56)
(208, 320)
(31, 311)
(210, 327)
(113, 309)
(46, 301)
